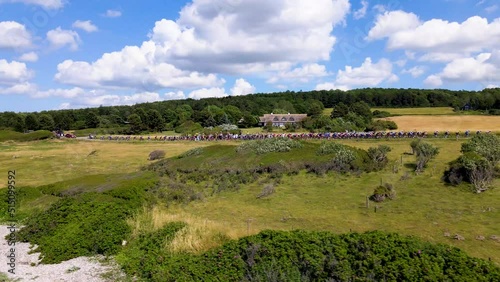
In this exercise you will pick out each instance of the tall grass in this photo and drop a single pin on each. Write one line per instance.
(199, 235)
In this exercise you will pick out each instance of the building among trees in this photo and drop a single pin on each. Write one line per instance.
(281, 119)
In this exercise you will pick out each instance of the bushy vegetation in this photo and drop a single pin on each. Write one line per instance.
(7, 135)
(383, 192)
(477, 164)
(156, 155)
(306, 256)
(85, 222)
(424, 152)
(269, 145)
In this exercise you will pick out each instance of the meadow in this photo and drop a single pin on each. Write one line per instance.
(424, 207)
(213, 188)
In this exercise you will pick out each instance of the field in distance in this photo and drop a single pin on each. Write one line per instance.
(452, 123)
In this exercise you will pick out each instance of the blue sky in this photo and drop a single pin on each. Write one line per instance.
(58, 54)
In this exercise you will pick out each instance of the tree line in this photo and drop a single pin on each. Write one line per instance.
(349, 110)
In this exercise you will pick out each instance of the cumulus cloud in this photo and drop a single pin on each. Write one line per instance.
(331, 86)
(242, 87)
(367, 75)
(132, 67)
(13, 73)
(302, 74)
(207, 93)
(415, 71)
(79, 97)
(29, 57)
(49, 4)
(361, 13)
(406, 31)
(241, 37)
(14, 35)
(113, 14)
(483, 68)
(87, 26)
(59, 38)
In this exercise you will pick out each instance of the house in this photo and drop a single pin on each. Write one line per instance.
(281, 119)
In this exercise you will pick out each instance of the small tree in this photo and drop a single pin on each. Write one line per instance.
(424, 152)
(379, 155)
(46, 122)
(32, 122)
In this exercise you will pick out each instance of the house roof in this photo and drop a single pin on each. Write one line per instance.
(282, 118)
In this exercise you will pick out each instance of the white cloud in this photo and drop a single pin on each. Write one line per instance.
(391, 22)
(13, 73)
(29, 57)
(245, 37)
(87, 26)
(440, 57)
(179, 95)
(14, 35)
(405, 31)
(113, 14)
(361, 13)
(492, 86)
(330, 86)
(20, 88)
(433, 80)
(242, 87)
(92, 98)
(483, 68)
(58, 38)
(302, 74)
(132, 67)
(207, 93)
(368, 74)
(49, 4)
(415, 71)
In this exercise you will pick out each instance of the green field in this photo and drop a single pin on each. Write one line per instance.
(424, 207)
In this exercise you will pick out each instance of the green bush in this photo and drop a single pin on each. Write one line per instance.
(269, 145)
(85, 223)
(312, 256)
(7, 135)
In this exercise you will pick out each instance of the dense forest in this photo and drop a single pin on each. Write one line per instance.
(244, 111)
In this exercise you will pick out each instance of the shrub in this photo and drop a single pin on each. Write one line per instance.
(314, 256)
(424, 152)
(269, 145)
(381, 114)
(156, 155)
(383, 192)
(480, 155)
(268, 190)
(379, 156)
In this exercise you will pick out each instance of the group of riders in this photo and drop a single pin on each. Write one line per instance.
(305, 136)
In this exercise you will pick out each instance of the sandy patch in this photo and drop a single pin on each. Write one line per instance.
(78, 269)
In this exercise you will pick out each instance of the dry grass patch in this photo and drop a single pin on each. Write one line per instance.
(451, 123)
(199, 235)
(45, 162)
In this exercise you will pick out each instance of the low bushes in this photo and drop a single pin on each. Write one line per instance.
(307, 256)
(156, 155)
(7, 135)
(269, 145)
(478, 163)
(86, 223)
